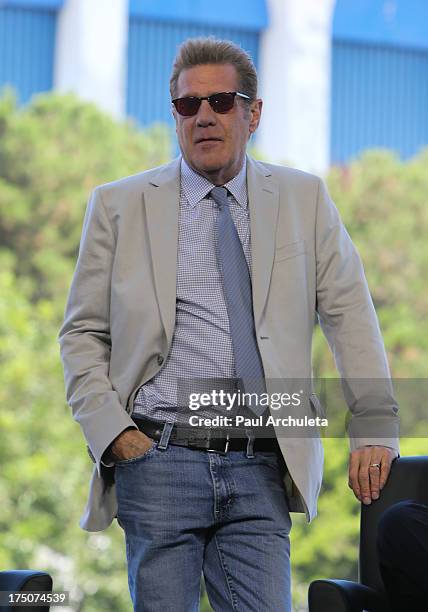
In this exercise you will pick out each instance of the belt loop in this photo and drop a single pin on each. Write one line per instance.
(166, 433)
(250, 444)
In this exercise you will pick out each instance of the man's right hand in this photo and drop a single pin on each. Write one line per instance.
(129, 444)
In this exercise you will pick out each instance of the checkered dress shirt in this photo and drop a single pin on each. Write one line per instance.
(201, 345)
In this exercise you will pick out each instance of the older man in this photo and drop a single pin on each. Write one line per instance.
(213, 268)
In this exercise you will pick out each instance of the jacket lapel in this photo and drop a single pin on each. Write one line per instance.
(162, 200)
(263, 199)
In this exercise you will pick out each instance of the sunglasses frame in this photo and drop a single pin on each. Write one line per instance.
(208, 98)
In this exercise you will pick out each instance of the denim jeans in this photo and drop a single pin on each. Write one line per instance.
(188, 511)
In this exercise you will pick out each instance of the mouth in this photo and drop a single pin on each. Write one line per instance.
(207, 140)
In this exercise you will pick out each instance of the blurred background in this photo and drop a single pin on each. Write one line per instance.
(84, 100)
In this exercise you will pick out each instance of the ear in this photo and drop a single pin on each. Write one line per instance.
(255, 114)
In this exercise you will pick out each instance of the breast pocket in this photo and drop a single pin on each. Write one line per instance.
(292, 249)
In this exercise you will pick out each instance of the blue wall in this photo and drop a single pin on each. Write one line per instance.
(44, 4)
(402, 23)
(27, 41)
(242, 14)
(379, 89)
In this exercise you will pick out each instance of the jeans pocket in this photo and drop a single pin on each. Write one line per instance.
(138, 458)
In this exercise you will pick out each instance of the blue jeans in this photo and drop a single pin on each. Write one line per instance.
(188, 511)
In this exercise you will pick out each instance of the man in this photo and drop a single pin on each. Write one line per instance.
(214, 266)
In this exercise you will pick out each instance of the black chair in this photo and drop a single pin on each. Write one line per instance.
(408, 479)
(24, 581)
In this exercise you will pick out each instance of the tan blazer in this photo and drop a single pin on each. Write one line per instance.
(120, 313)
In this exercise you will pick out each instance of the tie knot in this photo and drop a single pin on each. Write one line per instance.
(219, 195)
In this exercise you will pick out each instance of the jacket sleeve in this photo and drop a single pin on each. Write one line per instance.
(84, 336)
(348, 320)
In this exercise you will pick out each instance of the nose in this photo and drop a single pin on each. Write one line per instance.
(206, 116)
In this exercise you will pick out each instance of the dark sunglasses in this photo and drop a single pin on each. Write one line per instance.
(220, 102)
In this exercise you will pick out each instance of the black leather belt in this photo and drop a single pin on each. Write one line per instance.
(211, 439)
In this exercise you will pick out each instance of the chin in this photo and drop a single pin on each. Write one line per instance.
(210, 163)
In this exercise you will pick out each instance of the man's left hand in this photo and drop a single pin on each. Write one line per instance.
(366, 479)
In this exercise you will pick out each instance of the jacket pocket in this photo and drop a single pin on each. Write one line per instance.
(292, 249)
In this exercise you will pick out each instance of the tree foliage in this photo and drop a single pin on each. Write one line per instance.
(384, 204)
(52, 154)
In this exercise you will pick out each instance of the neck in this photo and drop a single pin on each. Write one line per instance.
(219, 176)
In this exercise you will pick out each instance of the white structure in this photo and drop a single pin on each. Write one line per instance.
(294, 72)
(91, 52)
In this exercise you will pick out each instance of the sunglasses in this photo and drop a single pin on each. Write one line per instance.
(220, 102)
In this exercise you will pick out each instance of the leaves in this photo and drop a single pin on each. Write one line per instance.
(53, 152)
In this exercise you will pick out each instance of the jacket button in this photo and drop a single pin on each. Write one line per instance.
(160, 359)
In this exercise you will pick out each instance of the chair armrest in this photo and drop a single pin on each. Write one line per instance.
(25, 580)
(344, 596)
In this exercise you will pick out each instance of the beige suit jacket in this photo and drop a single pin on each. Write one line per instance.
(120, 313)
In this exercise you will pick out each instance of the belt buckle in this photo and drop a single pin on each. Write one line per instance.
(222, 452)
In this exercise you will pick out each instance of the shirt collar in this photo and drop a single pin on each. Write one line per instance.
(196, 187)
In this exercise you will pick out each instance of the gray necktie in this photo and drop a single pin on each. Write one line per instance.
(239, 303)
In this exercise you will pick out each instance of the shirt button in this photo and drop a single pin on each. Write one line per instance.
(160, 359)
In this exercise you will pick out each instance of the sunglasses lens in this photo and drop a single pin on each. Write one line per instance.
(222, 102)
(187, 106)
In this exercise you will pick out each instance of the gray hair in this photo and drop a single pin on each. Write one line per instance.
(199, 51)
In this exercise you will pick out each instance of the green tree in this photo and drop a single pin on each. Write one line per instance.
(53, 152)
(384, 205)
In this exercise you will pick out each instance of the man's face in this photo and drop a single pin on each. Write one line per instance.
(214, 144)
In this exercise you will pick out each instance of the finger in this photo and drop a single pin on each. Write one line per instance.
(385, 469)
(364, 474)
(354, 466)
(364, 480)
(375, 466)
